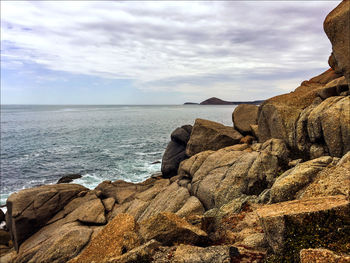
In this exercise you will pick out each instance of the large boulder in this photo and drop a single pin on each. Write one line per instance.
(309, 223)
(244, 116)
(221, 176)
(30, 209)
(209, 135)
(116, 238)
(170, 229)
(175, 151)
(337, 28)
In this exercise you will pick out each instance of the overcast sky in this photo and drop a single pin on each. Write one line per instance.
(84, 52)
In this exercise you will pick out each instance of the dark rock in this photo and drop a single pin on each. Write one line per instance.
(29, 209)
(181, 135)
(156, 162)
(68, 178)
(2, 216)
(243, 116)
(4, 237)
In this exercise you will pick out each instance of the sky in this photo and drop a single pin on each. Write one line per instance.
(153, 52)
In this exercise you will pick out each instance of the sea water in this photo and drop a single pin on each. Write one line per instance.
(40, 144)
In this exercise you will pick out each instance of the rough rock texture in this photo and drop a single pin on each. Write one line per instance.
(334, 88)
(334, 180)
(30, 209)
(119, 236)
(337, 28)
(54, 243)
(321, 255)
(175, 151)
(221, 176)
(214, 254)
(209, 135)
(309, 223)
(243, 116)
(290, 182)
(192, 207)
(169, 228)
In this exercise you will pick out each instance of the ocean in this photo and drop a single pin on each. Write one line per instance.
(40, 144)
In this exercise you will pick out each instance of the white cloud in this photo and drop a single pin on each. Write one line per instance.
(154, 43)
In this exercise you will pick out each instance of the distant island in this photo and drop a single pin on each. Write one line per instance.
(217, 101)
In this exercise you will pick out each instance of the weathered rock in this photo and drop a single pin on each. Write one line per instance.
(30, 209)
(334, 180)
(108, 203)
(321, 255)
(337, 28)
(142, 253)
(213, 254)
(121, 190)
(181, 135)
(170, 229)
(333, 88)
(209, 135)
(309, 223)
(68, 178)
(247, 139)
(171, 199)
(54, 244)
(228, 173)
(92, 212)
(244, 116)
(290, 182)
(192, 207)
(118, 237)
(330, 122)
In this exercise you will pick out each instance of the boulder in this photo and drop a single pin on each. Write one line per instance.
(321, 255)
(213, 254)
(175, 151)
(108, 203)
(54, 243)
(192, 207)
(309, 223)
(170, 229)
(29, 209)
(337, 28)
(293, 180)
(334, 88)
(244, 116)
(4, 237)
(209, 135)
(116, 238)
(221, 176)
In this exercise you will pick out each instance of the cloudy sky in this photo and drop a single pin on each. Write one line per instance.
(85, 52)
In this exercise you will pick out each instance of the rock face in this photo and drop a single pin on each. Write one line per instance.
(337, 28)
(243, 116)
(116, 238)
(294, 225)
(169, 228)
(209, 135)
(68, 178)
(175, 151)
(28, 210)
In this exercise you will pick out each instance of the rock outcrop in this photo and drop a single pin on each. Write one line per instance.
(175, 151)
(209, 135)
(30, 209)
(337, 28)
(244, 116)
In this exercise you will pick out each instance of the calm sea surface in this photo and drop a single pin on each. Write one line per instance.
(40, 144)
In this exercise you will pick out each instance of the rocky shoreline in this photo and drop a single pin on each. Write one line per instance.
(275, 187)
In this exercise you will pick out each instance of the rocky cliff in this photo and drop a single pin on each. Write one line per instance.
(275, 187)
